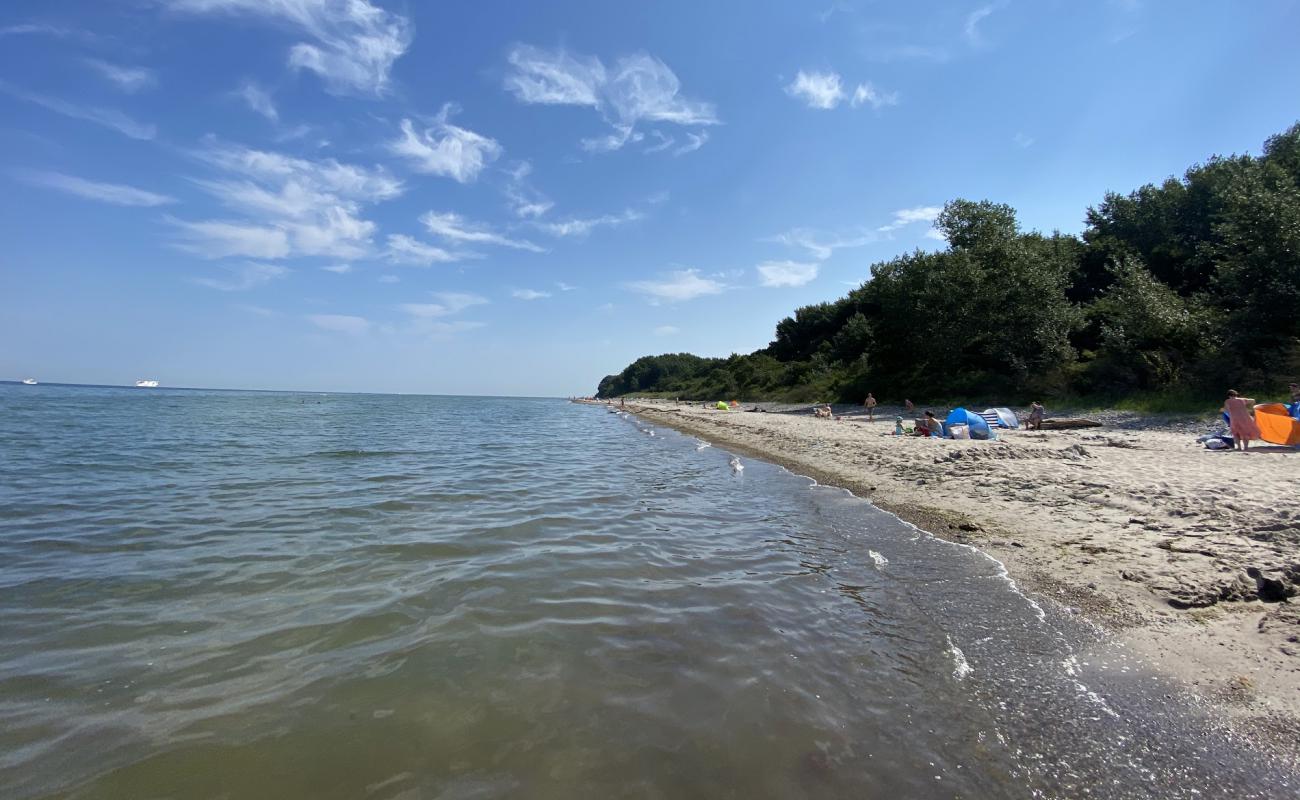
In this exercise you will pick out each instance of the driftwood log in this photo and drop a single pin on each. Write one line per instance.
(1067, 423)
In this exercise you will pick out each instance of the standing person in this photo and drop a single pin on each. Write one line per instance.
(870, 403)
(1036, 414)
(1241, 423)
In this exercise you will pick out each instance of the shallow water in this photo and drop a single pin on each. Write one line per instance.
(223, 594)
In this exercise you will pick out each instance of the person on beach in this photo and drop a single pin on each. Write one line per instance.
(823, 411)
(1036, 414)
(898, 426)
(1240, 421)
(909, 406)
(870, 403)
(1295, 393)
(930, 426)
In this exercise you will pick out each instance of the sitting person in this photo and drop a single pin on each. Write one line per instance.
(823, 411)
(929, 426)
(898, 426)
(1036, 414)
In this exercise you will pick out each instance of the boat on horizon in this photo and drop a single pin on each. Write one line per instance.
(146, 384)
(29, 381)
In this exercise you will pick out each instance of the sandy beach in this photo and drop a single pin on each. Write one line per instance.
(1183, 554)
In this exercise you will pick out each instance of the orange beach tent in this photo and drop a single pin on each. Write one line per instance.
(1276, 425)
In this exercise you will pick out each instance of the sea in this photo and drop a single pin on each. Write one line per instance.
(217, 594)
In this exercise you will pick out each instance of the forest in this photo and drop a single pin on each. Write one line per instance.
(1177, 290)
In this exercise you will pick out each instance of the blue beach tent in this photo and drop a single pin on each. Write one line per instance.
(979, 428)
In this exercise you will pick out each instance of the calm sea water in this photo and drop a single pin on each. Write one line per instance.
(246, 595)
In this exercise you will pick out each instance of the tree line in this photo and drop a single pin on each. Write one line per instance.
(1186, 287)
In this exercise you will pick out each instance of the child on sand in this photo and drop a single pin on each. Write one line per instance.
(1240, 421)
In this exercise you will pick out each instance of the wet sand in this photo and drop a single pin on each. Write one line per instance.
(1184, 555)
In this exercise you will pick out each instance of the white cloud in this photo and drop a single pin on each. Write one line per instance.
(694, 141)
(114, 193)
(681, 285)
(338, 269)
(448, 304)
(667, 330)
(341, 323)
(389, 279)
(662, 142)
(786, 273)
(351, 45)
(315, 205)
(42, 29)
(639, 88)
(525, 201)
(446, 149)
(935, 234)
(107, 117)
(529, 294)
(907, 216)
(564, 287)
(1021, 140)
(821, 90)
(223, 238)
(554, 78)
(821, 246)
(453, 227)
(582, 227)
(866, 93)
(403, 249)
(259, 100)
(128, 79)
(973, 20)
(244, 277)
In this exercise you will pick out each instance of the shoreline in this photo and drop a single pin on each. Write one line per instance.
(1172, 585)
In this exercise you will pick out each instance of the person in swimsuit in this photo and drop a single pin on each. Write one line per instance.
(870, 403)
(1240, 421)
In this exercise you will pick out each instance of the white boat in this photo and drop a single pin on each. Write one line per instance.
(146, 384)
(29, 381)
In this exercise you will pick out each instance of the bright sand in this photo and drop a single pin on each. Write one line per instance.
(1166, 544)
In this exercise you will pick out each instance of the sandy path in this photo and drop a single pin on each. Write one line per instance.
(1183, 552)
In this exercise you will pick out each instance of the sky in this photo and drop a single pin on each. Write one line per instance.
(520, 198)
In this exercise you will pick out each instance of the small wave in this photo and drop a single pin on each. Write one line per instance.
(877, 559)
(701, 446)
(359, 453)
(960, 666)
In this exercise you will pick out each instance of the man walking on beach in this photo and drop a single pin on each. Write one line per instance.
(870, 403)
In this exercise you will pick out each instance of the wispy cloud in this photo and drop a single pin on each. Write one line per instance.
(445, 149)
(821, 245)
(109, 118)
(564, 287)
(786, 273)
(529, 294)
(907, 52)
(455, 228)
(258, 99)
(680, 285)
(43, 29)
(525, 200)
(638, 89)
(820, 90)
(314, 205)
(694, 141)
(340, 323)
(351, 44)
(583, 226)
(825, 91)
(403, 249)
(667, 330)
(338, 269)
(907, 216)
(224, 238)
(244, 277)
(389, 279)
(128, 79)
(259, 311)
(114, 193)
(973, 20)
(866, 93)
(1022, 140)
(428, 318)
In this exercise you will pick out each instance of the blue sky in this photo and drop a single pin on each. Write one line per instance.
(519, 198)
